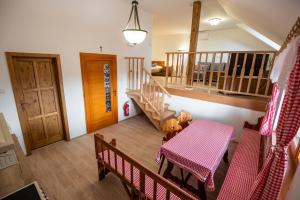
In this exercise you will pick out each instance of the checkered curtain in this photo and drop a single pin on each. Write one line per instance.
(269, 180)
(266, 126)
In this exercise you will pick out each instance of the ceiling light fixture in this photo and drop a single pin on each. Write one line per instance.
(214, 21)
(134, 35)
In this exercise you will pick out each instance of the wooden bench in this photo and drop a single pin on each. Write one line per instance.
(245, 164)
(138, 181)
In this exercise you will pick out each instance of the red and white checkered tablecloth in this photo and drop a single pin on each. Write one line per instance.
(199, 149)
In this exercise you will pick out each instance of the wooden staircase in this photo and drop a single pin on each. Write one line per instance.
(148, 94)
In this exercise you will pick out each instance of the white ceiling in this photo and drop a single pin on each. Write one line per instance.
(272, 18)
(175, 16)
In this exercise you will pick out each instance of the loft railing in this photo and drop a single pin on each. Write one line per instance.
(228, 72)
(150, 90)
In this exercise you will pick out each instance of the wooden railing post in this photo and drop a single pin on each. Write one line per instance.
(212, 68)
(167, 69)
(141, 80)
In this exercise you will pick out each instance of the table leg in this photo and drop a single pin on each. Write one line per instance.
(168, 170)
(225, 157)
(201, 188)
(161, 163)
(187, 178)
(182, 178)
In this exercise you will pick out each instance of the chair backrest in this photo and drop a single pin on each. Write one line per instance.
(102, 147)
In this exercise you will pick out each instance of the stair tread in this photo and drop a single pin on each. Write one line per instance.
(167, 114)
(151, 114)
(133, 93)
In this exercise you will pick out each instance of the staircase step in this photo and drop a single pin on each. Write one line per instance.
(149, 111)
(148, 108)
(166, 115)
(133, 93)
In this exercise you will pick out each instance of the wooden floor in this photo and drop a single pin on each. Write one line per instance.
(67, 170)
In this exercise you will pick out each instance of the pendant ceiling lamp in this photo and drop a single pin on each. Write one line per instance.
(134, 35)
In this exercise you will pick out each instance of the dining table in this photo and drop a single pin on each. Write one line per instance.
(198, 149)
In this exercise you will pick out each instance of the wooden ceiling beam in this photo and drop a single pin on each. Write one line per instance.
(193, 39)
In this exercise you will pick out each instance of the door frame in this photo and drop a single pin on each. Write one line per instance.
(17, 92)
(95, 56)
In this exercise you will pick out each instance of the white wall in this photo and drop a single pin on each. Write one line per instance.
(67, 27)
(233, 39)
(231, 115)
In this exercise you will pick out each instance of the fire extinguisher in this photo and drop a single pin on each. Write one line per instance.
(126, 108)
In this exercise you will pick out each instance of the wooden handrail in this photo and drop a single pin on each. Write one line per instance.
(158, 83)
(199, 52)
(151, 91)
(228, 72)
(101, 145)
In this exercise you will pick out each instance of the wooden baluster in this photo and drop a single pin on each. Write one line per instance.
(260, 74)
(123, 167)
(137, 74)
(132, 74)
(108, 152)
(167, 195)
(102, 151)
(141, 80)
(234, 71)
(142, 182)
(199, 69)
(156, 97)
(158, 101)
(163, 104)
(242, 73)
(128, 76)
(167, 70)
(171, 75)
(116, 163)
(154, 190)
(145, 85)
(177, 62)
(251, 73)
(269, 74)
(226, 71)
(151, 93)
(205, 68)
(150, 90)
(219, 70)
(182, 68)
(212, 66)
(154, 93)
(131, 173)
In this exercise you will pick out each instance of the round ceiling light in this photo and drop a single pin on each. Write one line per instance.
(214, 21)
(134, 35)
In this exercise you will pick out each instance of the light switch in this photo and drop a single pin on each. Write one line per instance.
(2, 91)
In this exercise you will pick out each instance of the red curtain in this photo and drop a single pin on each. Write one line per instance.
(269, 180)
(266, 125)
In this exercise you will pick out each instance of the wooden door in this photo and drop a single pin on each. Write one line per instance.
(38, 97)
(99, 77)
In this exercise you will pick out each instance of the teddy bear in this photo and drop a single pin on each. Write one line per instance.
(184, 119)
(171, 127)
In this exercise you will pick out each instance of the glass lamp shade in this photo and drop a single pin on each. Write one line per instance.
(134, 36)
